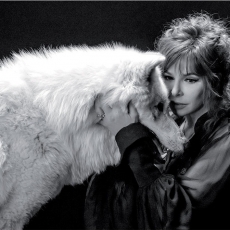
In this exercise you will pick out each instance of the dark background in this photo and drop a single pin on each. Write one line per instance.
(29, 25)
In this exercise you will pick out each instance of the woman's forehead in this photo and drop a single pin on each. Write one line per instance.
(183, 65)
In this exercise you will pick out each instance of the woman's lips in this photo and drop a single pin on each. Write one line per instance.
(177, 106)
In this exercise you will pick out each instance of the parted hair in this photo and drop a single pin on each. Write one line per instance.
(205, 43)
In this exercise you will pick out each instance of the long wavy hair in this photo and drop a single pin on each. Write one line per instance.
(204, 42)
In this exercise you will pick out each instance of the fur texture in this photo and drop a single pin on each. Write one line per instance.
(48, 133)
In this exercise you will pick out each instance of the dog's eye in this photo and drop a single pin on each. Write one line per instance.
(160, 106)
(149, 76)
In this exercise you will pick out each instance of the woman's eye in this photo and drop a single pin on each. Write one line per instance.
(191, 80)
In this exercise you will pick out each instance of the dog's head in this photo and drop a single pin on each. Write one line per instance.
(118, 74)
(136, 78)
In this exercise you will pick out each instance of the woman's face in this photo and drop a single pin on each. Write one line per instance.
(185, 89)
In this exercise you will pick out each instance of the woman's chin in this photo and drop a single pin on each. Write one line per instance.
(179, 113)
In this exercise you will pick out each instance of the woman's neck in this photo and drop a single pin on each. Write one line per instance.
(190, 121)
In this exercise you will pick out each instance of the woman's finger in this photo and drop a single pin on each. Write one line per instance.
(98, 110)
(133, 112)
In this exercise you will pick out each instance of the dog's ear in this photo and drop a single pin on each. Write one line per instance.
(155, 58)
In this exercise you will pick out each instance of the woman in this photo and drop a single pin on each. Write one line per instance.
(191, 191)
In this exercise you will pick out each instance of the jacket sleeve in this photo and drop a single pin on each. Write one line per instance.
(209, 173)
(160, 197)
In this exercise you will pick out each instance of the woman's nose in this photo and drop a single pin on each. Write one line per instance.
(176, 90)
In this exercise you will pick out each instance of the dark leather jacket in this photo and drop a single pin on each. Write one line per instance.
(191, 192)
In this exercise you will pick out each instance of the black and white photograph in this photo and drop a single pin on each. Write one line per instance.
(114, 115)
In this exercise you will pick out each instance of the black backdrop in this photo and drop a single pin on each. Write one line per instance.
(26, 25)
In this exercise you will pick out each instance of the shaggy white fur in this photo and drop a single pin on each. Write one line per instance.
(48, 133)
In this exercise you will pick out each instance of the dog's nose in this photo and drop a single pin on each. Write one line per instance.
(182, 137)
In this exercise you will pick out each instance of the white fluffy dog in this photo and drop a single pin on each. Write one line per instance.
(49, 135)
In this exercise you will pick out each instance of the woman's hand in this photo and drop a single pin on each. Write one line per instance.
(115, 119)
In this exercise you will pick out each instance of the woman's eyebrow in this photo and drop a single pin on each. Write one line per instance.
(189, 74)
(184, 75)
